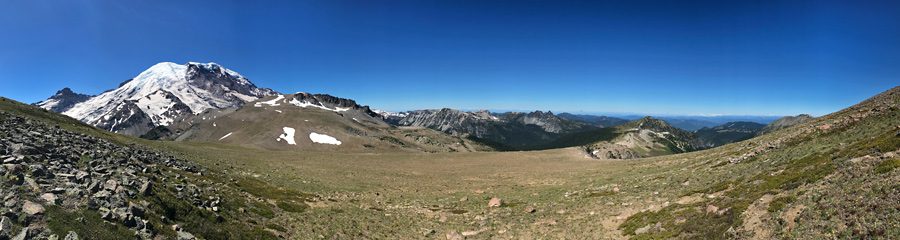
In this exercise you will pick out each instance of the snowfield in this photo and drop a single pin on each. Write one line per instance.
(307, 104)
(322, 138)
(288, 136)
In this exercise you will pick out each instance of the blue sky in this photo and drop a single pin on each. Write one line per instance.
(655, 57)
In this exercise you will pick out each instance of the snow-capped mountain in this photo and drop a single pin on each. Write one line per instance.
(63, 100)
(162, 93)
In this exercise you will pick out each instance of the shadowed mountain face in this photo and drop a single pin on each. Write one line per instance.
(511, 128)
(728, 133)
(158, 96)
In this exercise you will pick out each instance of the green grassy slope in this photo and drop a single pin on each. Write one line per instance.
(815, 162)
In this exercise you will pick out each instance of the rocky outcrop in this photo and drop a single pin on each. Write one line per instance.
(63, 100)
(44, 165)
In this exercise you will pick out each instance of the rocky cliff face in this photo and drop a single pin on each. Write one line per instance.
(63, 100)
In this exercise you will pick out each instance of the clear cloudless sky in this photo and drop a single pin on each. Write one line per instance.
(656, 57)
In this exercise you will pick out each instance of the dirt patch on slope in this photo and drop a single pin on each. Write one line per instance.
(757, 223)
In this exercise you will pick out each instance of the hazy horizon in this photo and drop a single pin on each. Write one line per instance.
(586, 57)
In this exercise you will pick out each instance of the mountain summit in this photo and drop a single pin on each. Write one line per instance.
(161, 94)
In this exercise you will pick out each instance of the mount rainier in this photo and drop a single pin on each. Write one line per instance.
(160, 95)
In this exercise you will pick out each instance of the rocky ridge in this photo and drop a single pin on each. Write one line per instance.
(511, 128)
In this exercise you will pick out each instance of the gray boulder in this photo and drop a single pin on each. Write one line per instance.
(72, 236)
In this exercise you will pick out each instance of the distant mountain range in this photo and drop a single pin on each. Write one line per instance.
(511, 128)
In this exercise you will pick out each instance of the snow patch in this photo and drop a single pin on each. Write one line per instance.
(279, 111)
(288, 136)
(226, 135)
(322, 138)
(273, 102)
(308, 104)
